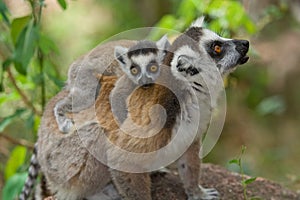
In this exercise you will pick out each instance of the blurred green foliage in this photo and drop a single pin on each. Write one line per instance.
(15, 161)
(27, 72)
(225, 17)
(30, 73)
(13, 186)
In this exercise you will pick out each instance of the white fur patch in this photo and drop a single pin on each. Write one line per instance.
(143, 61)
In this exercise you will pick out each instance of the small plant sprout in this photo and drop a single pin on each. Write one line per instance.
(245, 181)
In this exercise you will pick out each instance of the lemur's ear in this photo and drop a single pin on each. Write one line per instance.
(198, 22)
(183, 61)
(121, 55)
(163, 43)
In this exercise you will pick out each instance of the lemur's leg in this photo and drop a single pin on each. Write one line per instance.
(189, 171)
(131, 186)
(61, 108)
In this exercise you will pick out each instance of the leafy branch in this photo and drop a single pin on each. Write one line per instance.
(16, 141)
(21, 93)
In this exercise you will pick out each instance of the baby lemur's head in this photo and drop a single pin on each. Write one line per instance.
(141, 62)
(200, 49)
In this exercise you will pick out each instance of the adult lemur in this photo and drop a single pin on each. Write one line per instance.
(68, 161)
(140, 64)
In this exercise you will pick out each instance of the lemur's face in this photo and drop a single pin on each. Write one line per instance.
(199, 54)
(143, 69)
(227, 53)
(141, 63)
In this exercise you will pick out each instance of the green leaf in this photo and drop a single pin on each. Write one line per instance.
(167, 21)
(25, 47)
(187, 10)
(47, 45)
(3, 11)
(13, 186)
(56, 81)
(7, 120)
(17, 26)
(249, 180)
(12, 96)
(16, 160)
(6, 64)
(234, 161)
(62, 4)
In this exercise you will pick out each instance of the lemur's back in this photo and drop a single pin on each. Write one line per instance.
(65, 161)
(100, 57)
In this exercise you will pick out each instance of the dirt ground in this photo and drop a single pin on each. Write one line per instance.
(167, 186)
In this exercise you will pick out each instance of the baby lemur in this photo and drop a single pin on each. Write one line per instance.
(195, 58)
(83, 84)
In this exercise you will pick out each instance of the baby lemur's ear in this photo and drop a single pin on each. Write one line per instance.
(163, 43)
(121, 55)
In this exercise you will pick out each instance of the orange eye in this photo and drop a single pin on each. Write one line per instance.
(217, 49)
(134, 71)
(153, 68)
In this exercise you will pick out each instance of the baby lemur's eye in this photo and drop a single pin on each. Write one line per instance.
(217, 48)
(134, 70)
(153, 68)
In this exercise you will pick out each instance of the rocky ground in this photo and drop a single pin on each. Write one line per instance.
(167, 186)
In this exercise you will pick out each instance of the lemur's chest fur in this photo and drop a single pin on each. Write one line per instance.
(133, 134)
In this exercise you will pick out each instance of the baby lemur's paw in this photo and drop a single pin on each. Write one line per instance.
(205, 194)
(186, 116)
(66, 125)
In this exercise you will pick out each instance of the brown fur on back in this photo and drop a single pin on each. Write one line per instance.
(140, 103)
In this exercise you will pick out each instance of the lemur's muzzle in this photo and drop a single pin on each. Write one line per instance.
(242, 46)
(145, 82)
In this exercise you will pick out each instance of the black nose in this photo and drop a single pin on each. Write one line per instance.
(145, 86)
(245, 43)
(242, 46)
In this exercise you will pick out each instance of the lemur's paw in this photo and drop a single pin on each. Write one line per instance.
(205, 194)
(209, 194)
(185, 116)
(66, 126)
